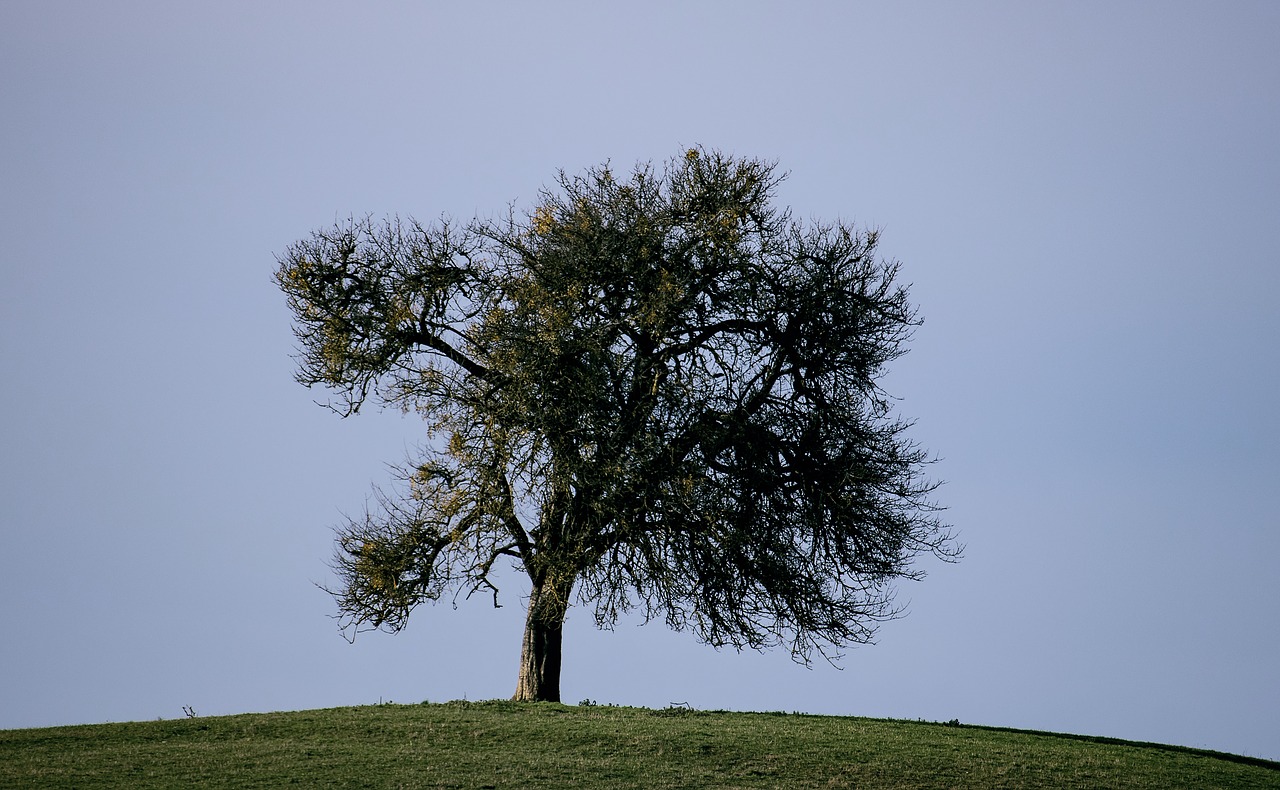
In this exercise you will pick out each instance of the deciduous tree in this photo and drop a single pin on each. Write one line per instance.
(656, 392)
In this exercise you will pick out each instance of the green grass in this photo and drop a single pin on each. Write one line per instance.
(510, 745)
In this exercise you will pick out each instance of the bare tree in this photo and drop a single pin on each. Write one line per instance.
(657, 392)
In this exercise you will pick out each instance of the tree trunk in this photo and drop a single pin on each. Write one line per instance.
(540, 651)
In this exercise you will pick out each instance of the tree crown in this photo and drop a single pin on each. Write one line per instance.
(660, 390)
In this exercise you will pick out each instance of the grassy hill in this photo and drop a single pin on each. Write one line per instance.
(510, 745)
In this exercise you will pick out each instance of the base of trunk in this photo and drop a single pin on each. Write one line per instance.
(541, 650)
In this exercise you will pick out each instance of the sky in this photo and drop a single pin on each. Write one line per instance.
(1083, 195)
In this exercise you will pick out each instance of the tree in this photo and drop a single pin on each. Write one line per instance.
(657, 392)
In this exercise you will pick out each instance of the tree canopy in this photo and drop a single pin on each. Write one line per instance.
(656, 391)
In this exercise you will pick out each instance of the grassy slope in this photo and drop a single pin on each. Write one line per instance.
(498, 744)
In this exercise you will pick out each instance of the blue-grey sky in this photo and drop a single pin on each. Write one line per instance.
(1085, 196)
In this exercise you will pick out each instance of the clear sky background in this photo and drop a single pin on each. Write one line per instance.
(1085, 195)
